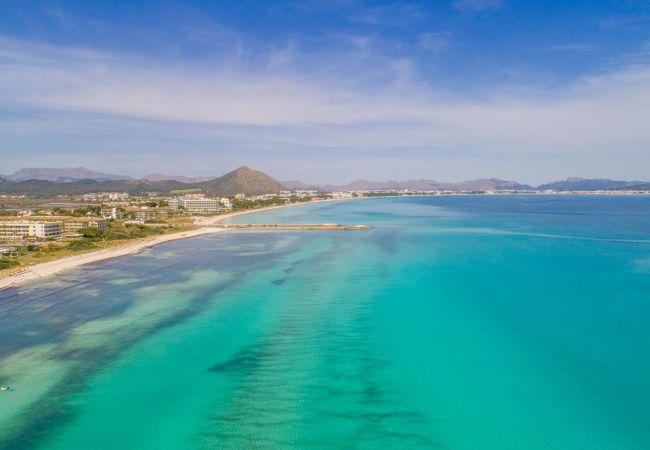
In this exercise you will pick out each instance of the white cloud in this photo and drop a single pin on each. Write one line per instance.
(597, 120)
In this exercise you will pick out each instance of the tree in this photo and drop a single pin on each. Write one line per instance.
(90, 232)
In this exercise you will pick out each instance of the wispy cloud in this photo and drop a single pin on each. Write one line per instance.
(281, 111)
(572, 47)
(434, 42)
(476, 5)
(394, 14)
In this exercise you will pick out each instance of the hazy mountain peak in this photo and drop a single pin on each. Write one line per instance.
(243, 180)
(179, 178)
(64, 174)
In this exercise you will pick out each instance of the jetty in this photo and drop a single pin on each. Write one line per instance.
(289, 226)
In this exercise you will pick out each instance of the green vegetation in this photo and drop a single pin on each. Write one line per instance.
(79, 212)
(8, 263)
(90, 233)
(184, 191)
(81, 244)
(238, 205)
(119, 230)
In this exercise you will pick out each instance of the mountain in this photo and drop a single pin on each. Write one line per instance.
(634, 187)
(46, 188)
(63, 175)
(297, 185)
(587, 184)
(242, 180)
(252, 182)
(489, 184)
(179, 178)
(366, 185)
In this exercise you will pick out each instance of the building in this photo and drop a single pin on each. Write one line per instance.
(195, 204)
(95, 196)
(226, 204)
(18, 230)
(145, 214)
(70, 224)
(111, 213)
(117, 195)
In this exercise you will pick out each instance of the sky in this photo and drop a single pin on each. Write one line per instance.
(328, 91)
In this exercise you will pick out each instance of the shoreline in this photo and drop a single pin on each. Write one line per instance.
(50, 268)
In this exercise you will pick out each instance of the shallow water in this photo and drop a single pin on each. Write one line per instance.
(509, 322)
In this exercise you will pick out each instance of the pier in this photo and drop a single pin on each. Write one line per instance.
(290, 226)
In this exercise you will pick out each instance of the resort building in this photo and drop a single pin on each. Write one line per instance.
(52, 226)
(145, 214)
(18, 230)
(195, 205)
(71, 225)
(226, 204)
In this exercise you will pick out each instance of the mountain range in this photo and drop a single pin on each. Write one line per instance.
(63, 175)
(483, 184)
(242, 180)
(486, 184)
(79, 180)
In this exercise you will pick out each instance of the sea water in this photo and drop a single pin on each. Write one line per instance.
(461, 322)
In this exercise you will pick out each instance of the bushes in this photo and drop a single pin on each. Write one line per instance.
(129, 231)
(80, 244)
(8, 263)
(91, 233)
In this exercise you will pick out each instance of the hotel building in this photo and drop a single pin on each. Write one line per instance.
(18, 230)
(195, 205)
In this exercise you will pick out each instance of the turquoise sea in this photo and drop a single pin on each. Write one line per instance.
(465, 322)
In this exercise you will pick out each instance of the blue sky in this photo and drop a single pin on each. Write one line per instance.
(329, 91)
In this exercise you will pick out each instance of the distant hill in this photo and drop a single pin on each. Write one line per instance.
(640, 187)
(242, 180)
(45, 188)
(366, 185)
(411, 185)
(489, 184)
(587, 184)
(297, 185)
(179, 178)
(63, 175)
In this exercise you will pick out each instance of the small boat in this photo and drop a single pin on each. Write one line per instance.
(6, 388)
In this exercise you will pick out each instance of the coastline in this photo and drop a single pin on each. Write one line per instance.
(50, 268)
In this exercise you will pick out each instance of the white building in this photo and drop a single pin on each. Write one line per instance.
(95, 196)
(117, 195)
(17, 230)
(226, 204)
(196, 205)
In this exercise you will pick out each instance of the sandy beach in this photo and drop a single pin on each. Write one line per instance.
(50, 268)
